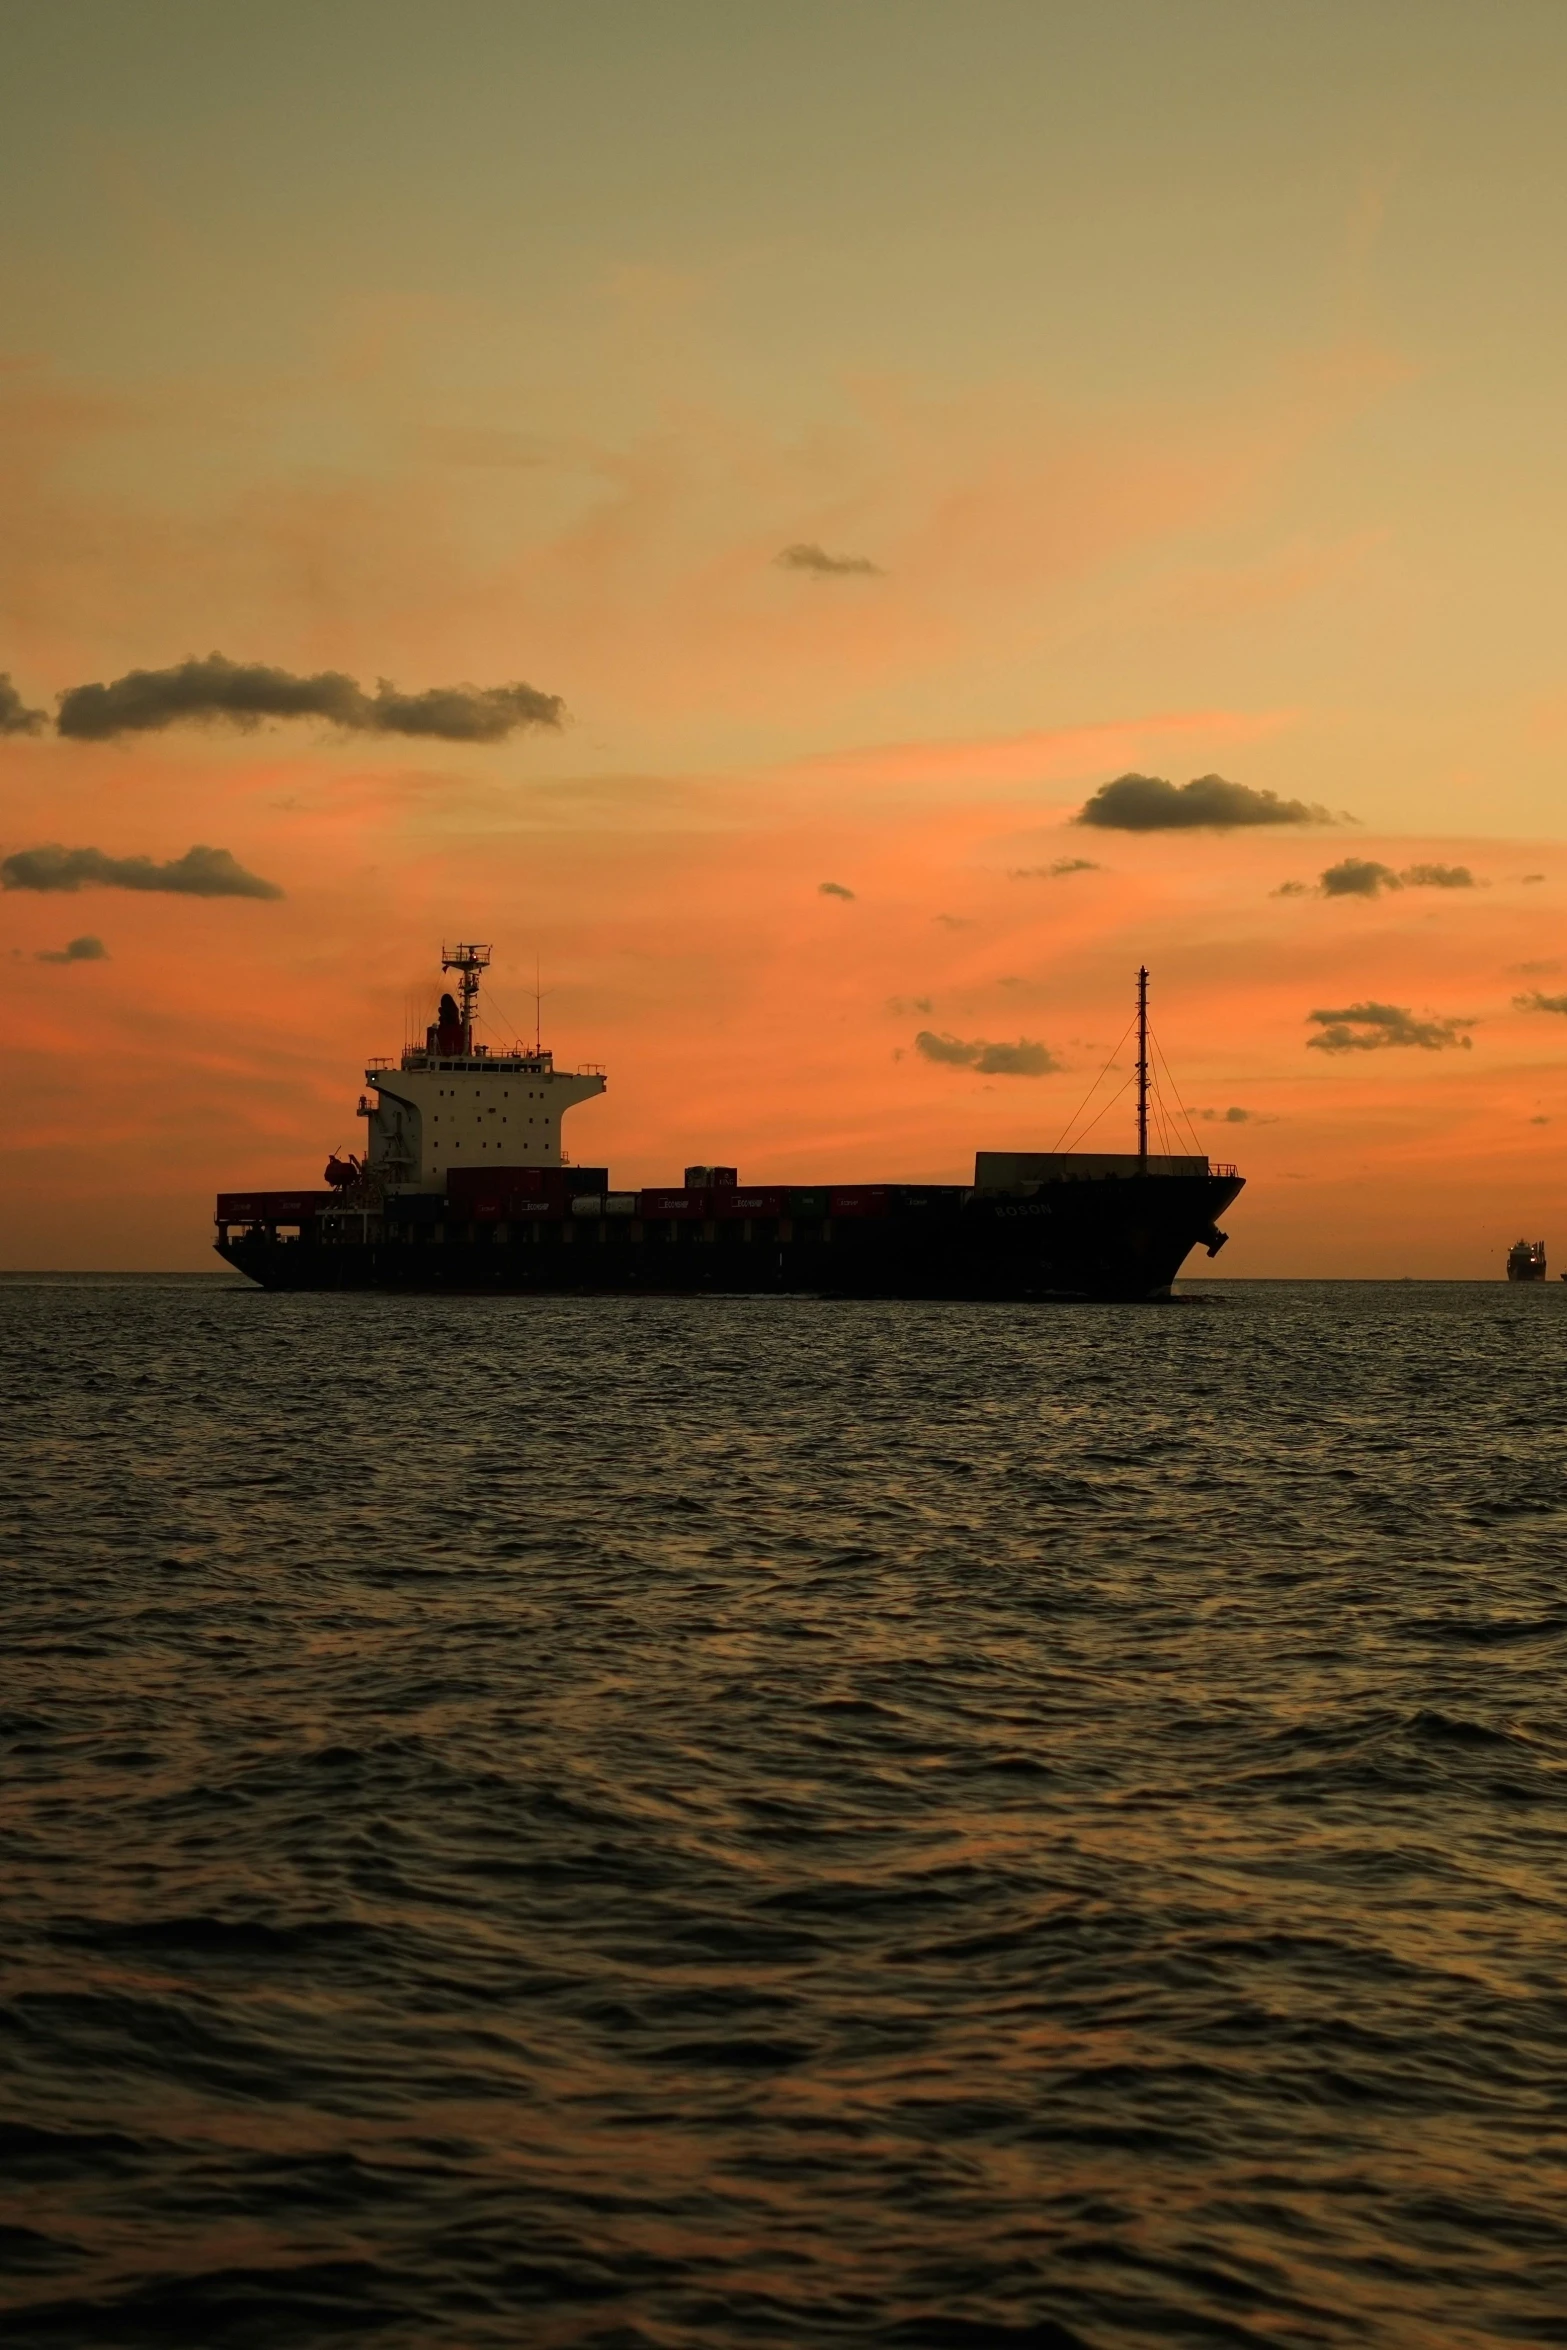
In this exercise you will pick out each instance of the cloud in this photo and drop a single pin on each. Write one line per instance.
(1291, 889)
(1531, 876)
(15, 716)
(1535, 1002)
(1231, 1117)
(463, 713)
(1363, 877)
(244, 693)
(75, 950)
(954, 921)
(833, 889)
(200, 873)
(901, 1006)
(1055, 872)
(807, 556)
(1367, 1028)
(1147, 803)
(1023, 1059)
(1356, 877)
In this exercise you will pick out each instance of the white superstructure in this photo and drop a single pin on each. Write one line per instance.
(453, 1103)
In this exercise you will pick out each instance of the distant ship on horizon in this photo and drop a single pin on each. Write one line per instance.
(1526, 1261)
(464, 1186)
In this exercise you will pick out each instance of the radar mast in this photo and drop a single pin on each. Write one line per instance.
(1142, 1070)
(467, 962)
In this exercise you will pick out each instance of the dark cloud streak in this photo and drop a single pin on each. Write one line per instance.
(1363, 877)
(75, 950)
(1356, 877)
(807, 556)
(15, 716)
(1148, 803)
(1370, 1027)
(1023, 1059)
(245, 694)
(1055, 872)
(200, 873)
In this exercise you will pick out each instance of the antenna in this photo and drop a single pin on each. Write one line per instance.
(468, 961)
(538, 1009)
(1142, 1070)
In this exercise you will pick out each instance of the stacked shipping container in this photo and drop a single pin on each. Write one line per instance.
(500, 1195)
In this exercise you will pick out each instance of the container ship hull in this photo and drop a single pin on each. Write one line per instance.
(1111, 1237)
(464, 1187)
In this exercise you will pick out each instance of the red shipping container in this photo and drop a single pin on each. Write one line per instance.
(750, 1203)
(271, 1207)
(467, 1183)
(664, 1204)
(502, 1207)
(868, 1199)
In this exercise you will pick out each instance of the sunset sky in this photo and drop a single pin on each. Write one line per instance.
(881, 425)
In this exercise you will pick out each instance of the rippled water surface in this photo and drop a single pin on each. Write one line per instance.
(726, 1823)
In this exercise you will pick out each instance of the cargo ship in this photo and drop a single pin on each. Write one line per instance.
(464, 1186)
(1526, 1261)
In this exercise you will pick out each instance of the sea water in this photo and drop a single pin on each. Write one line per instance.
(609, 1822)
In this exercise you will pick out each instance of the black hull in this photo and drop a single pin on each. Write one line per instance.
(1120, 1239)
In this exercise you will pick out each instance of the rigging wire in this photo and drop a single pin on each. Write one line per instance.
(418, 1011)
(1161, 1123)
(1168, 1116)
(1163, 1078)
(1156, 1106)
(1094, 1088)
(1167, 1109)
(506, 1026)
(1108, 1104)
(509, 1030)
(1175, 1089)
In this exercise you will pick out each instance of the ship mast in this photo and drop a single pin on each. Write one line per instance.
(1142, 1070)
(468, 962)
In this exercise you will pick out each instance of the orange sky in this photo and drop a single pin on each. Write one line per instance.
(1172, 451)
(743, 1014)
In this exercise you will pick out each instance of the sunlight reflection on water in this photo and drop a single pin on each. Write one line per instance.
(613, 1822)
